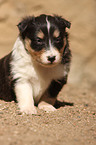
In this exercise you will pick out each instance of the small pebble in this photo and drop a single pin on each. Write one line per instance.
(1, 112)
(86, 105)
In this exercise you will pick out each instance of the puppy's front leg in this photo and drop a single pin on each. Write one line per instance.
(24, 95)
(49, 98)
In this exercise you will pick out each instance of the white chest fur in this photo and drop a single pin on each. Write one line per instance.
(44, 76)
(27, 70)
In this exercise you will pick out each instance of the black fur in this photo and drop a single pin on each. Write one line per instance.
(6, 81)
(30, 26)
(66, 59)
(56, 86)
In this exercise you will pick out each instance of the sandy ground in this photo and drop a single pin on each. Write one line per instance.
(74, 122)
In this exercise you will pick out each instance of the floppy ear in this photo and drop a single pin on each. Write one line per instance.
(63, 22)
(23, 25)
(67, 23)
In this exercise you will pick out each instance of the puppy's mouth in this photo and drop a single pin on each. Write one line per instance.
(51, 64)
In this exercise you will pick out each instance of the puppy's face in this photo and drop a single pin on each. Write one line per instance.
(45, 38)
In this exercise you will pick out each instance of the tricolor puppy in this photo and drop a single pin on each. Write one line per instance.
(37, 68)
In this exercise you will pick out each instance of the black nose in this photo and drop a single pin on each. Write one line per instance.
(51, 58)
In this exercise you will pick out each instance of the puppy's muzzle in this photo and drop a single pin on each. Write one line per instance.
(51, 58)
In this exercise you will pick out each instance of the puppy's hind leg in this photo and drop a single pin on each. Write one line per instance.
(24, 95)
(46, 103)
(48, 100)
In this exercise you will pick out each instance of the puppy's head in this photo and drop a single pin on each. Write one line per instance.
(45, 38)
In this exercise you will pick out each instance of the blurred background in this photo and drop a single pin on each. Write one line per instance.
(82, 15)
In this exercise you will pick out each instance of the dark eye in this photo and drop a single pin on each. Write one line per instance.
(39, 40)
(57, 39)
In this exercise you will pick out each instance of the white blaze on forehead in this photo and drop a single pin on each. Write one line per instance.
(48, 24)
(50, 45)
(48, 27)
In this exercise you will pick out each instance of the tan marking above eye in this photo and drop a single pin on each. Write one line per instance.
(35, 54)
(56, 33)
(40, 34)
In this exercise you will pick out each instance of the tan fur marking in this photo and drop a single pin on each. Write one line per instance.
(47, 99)
(40, 34)
(46, 103)
(62, 50)
(35, 54)
(56, 33)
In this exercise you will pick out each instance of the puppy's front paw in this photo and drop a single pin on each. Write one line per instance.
(28, 110)
(46, 107)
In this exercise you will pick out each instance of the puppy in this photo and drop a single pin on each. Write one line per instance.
(37, 68)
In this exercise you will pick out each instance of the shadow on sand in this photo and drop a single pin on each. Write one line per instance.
(59, 104)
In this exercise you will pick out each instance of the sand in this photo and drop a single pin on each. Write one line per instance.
(74, 122)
